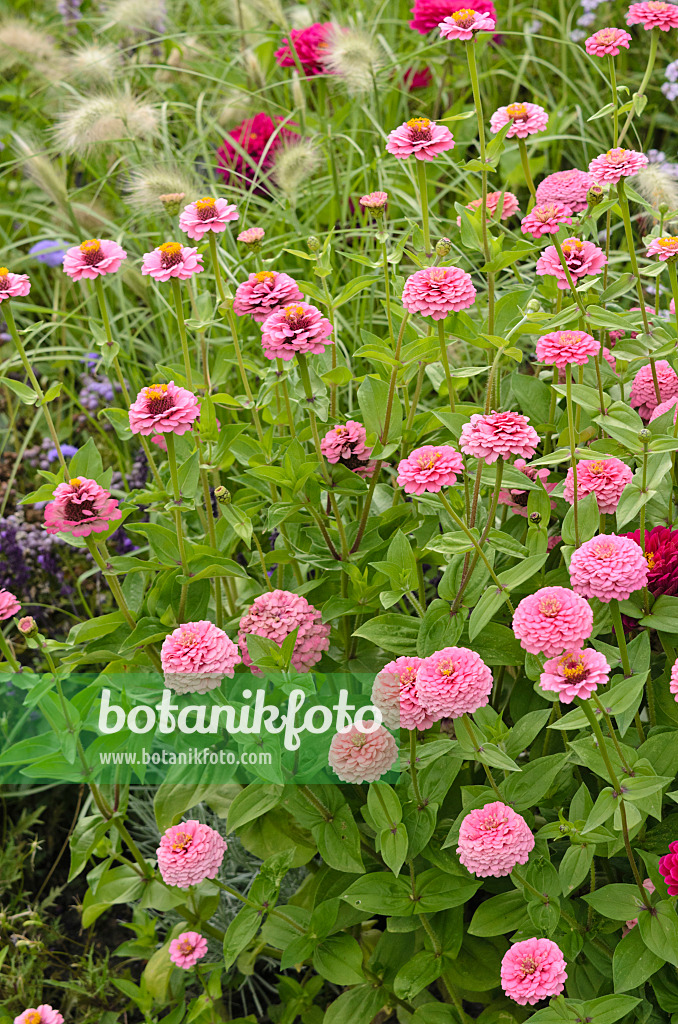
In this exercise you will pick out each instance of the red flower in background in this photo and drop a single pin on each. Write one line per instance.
(429, 13)
(260, 137)
(310, 45)
(661, 552)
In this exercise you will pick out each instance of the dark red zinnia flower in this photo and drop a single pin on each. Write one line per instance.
(661, 551)
(418, 79)
(260, 137)
(668, 869)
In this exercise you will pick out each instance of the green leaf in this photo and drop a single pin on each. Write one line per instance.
(499, 914)
(339, 841)
(394, 844)
(251, 802)
(25, 394)
(358, 1005)
(659, 930)
(339, 959)
(239, 933)
(618, 902)
(394, 633)
(373, 400)
(575, 866)
(380, 893)
(422, 970)
(633, 963)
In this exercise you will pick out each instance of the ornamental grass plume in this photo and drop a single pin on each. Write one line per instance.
(464, 24)
(147, 184)
(22, 44)
(438, 291)
(498, 435)
(525, 119)
(278, 613)
(653, 14)
(421, 138)
(296, 328)
(576, 673)
(582, 258)
(163, 409)
(196, 657)
(661, 555)
(81, 507)
(608, 567)
(9, 605)
(429, 468)
(611, 167)
(607, 41)
(562, 347)
(453, 682)
(13, 286)
(96, 120)
(189, 853)
(545, 219)
(552, 620)
(394, 692)
(355, 57)
(264, 293)
(93, 258)
(357, 756)
(606, 478)
(172, 259)
(533, 970)
(43, 1014)
(567, 187)
(187, 949)
(293, 164)
(493, 839)
(135, 16)
(307, 47)
(657, 187)
(207, 214)
(428, 14)
(643, 396)
(93, 64)
(258, 137)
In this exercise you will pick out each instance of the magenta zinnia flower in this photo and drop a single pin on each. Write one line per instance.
(509, 205)
(13, 285)
(643, 396)
(562, 347)
(81, 507)
(429, 13)
(582, 258)
(172, 259)
(93, 258)
(9, 605)
(421, 138)
(575, 674)
(673, 684)
(43, 1014)
(346, 444)
(493, 839)
(661, 555)
(665, 248)
(515, 498)
(264, 293)
(606, 478)
(374, 200)
(310, 45)
(566, 187)
(394, 692)
(163, 409)
(187, 949)
(525, 119)
(545, 219)
(437, 291)
(668, 869)
(663, 407)
(205, 215)
(608, 567)
(299, 327)
(498, 435)
(453, 682)
(259, 137)
(653, 14)
(552, 620)
(533, 970)
(610, 167)
(464, 24)
(429, 469)
(358, 756)
(196, 657)
(189, 853)
(607, 41)
(277, 614)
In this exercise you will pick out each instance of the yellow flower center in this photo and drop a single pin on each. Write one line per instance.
(33, 1017)
(464, 18)
(651, 559)
(604, 550)
(186, 947)
(573, 246)
(4, 271)
(206, 203)
(549, 606)
(574, 667)
(617, 156)
(429, 461)
(528, 965)
(446, 668)
(265, 275)
(75, 482)
(517, 111)
(90, 245)
(182, 841)
(156, 391)
(668, 242)
(419, 124)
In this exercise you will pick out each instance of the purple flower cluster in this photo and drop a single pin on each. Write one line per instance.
(43, 455)
(30, 560)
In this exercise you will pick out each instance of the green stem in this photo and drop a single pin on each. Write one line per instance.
(446, 363)
(479, 551)
(179, 306)
(8, 653)
(654, 39)
(573, 458)
(563, 262)
(176, 490)
(619, 633)
(615, 100)
(423, 199)
(387, 291)
(469, 729)
(243, 375)
(413, 767)
(214, 255)
(524, 159)
(480, 117)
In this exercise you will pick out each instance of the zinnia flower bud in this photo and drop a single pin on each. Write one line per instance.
(28, 627)
(171, 202)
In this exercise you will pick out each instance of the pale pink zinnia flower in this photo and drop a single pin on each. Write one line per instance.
(608, 567)
(673, 685)
(562, 347)
(611, 167)
(525, 119)
(552, 620)
(663, 407)
(298, 327)
(421, 138)
(665, 248)
(515, 498)
(374, 200)
(498, 435)
(9, 605)
(172, 259)
(205, 215)
(453, 682)
(437, 291)
(277, 614)
(264, 293)
(653, 14)
(567, 187)
(643, 396)
(607, 41)
(533, 970)
(163, 409)
(606, 478)
(251, 236)
(649, 886)
(609, 358)
(545, 219)
(13, 285)
(80, 507)
(196, 657)
(464, 24)
(575, 674)
(394, 692)
(43, 1014)
(493, 839)
(189, 853)
(429, 468)
(582, 258)
(187, 949)
(346, 444)
(358, 756)
(93, 258)
(509, 205)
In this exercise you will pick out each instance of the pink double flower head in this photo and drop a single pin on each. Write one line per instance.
(465, 23)
(205, 215)
(421, 138)
(172, 259)
(525, 119)
(81, 507)
(93, 258)
(13, 285)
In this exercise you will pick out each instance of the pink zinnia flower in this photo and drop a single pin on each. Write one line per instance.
(43, 1014)
(277, 614)
(196, 657)
(264, 293)
(13, 285)
(81, 507)
(582, 258)
(310, 45)
(394, 692)
(429, 13)
(464, 24)
(259, 137)
(552, 620)
(9, 605)
(516, 499)
(358, 756)
(575, 674)
(610, 167)
(673, 685)
(419, 137)
(93, 258)
(163, 409)
(509, 205)
(374, 200)
(205, 215)
(608, 567)
(172, 259)
(493, 839)
(653, 14)
(429, 469)
(453, 682)
(663, 407)
(533, 970)
(525, 119)
(562, 347)
(606, 478)
(251, 236)
(609, 358)
(189, 853)
(649, 886)
(187, 949)
(566, 187)
(665, 248)
(437, 291)
(545, 219)
(643, 396)
(607, 42)
(346, 444)
(498, 435)
(298, 327)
